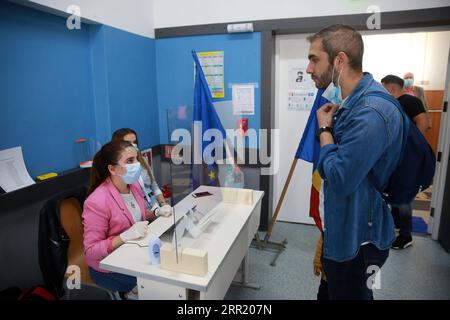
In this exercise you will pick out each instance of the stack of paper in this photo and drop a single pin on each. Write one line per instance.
(13, 173)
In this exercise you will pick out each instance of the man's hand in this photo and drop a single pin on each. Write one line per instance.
(325, 115)
(317, 270)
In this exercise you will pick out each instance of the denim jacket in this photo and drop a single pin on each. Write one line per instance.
(367, 134)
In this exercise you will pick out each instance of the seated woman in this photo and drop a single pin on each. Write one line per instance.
(153, 195)
(114, 211)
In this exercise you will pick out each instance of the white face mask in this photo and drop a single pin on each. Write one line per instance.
(333, 93)
(133, 172)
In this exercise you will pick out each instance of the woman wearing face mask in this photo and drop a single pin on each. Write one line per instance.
(114, 211)
(152, 194)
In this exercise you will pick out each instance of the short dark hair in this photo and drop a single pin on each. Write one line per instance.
(391, 79)
(341, 38)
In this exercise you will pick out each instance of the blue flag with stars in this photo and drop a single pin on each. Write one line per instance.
(205, 113)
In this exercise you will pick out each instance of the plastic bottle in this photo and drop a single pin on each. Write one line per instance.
(154, 247)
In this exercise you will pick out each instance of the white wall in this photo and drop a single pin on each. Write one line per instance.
(291, 124)
(143, 16)
(423, 53)
(171, 13)
(136, 16)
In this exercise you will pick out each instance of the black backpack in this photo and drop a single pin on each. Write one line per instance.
(416, 166)
(34, 293)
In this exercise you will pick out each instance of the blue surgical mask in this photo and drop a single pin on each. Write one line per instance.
(333, 93)
(409, 83)
(133, 173)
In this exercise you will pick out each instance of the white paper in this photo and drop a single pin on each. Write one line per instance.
(302, 90)
(243, 99)
(300, 100)
(13, 173)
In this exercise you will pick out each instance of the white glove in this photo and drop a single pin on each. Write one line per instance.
(136, 231)
(164, 211)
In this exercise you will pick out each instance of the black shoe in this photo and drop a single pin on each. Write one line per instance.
(402, 242)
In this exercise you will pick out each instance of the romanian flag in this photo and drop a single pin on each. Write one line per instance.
(308, 150)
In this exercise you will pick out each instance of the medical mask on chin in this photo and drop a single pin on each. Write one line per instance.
(333, 93)
(133, 173)
(409, 83)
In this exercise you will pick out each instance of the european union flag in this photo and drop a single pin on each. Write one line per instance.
(205, 113)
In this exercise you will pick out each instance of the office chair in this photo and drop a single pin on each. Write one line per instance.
(71, 222)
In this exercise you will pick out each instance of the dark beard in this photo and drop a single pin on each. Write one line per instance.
(325, 79)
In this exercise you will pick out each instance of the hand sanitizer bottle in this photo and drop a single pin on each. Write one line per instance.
(154, 246)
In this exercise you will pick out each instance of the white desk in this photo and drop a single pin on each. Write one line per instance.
(226, 239)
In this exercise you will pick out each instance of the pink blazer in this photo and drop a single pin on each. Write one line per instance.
(105, 216)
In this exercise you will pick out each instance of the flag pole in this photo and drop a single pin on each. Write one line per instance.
(270, 245)
(280, 201)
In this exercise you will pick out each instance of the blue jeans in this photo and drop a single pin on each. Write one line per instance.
(349, 280)
(402, 215)
(113, 281)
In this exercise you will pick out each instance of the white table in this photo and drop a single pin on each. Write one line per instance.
(226, 240)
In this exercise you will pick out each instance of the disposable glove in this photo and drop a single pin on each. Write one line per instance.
(164, 211)
(136, 231)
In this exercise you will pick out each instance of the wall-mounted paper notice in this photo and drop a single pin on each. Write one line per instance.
(13, 173)
(213, 67)
(243, 99)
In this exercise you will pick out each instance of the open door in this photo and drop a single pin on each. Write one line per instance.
(439, 226)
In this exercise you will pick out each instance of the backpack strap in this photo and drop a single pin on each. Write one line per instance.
(386, 96)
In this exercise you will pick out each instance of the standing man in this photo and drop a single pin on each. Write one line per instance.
(413, 90)
(359, 134)
(413, 107)
(416, 91)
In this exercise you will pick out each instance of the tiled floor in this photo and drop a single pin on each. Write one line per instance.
(421, 271)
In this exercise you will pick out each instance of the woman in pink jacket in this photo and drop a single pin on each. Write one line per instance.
(114, 211)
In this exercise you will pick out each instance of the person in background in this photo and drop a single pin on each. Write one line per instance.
(359, 134)
(416, 91)
(413, 107)
(152, 193)
(114, 211)
(413, 90)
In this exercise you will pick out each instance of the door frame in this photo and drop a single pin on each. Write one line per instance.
(437, 197)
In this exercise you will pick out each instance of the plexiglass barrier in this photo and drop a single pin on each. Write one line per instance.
(202, 153)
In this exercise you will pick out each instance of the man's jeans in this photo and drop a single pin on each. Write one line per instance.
(352, 280)
(402, 215)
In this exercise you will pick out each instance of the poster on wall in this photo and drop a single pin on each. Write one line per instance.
(302, 91)
(212, 63)
(243, 99)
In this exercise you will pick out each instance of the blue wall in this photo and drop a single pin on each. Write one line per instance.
(45, 88)
(132, 84)
(175, 70)
(58, 85)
